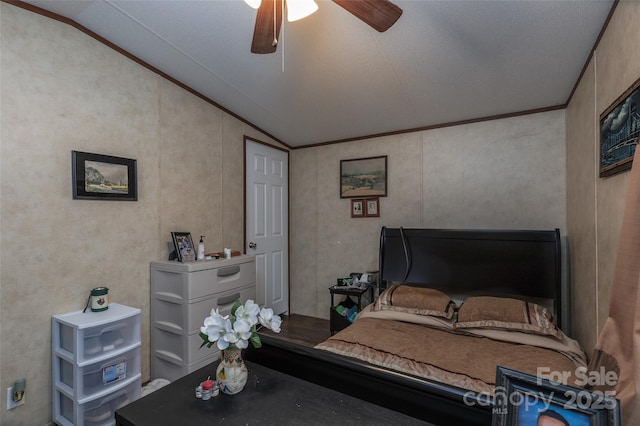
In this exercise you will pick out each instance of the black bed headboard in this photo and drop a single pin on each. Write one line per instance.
(508, 262)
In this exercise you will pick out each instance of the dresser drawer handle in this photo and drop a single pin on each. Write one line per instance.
(228, 299)
(225, 272)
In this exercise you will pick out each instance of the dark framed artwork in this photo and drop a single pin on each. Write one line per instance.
(372, 207)
(363, 177)
(522, 399)
(357, 207)
(619, 130)
(103, 177)
(183, 245)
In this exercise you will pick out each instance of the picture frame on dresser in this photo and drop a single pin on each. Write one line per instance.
(183, 245)
(522, 399)
(103, 177)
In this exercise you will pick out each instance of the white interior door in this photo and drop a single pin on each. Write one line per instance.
(267, 222)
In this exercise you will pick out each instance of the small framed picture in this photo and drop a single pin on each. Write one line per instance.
(183, 244)
(373, 207)
(523, 399)
(357, 208)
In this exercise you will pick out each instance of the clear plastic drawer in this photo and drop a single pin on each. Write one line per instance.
(87, 337)
(92, 379)
(96, 412)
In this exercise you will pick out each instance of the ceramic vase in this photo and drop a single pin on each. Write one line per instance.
(231, 372)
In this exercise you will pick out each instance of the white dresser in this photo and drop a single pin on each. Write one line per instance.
(96, 364)
(182, 296)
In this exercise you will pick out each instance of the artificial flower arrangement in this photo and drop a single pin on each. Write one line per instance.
(239, 328)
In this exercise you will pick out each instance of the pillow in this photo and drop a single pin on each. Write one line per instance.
(506, 313)
(416, 300)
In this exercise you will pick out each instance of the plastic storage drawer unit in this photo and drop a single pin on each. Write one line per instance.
(182, 296)
(95, 364)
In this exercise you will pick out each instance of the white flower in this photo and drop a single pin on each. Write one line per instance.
(214, 326)
(269, 320)
(243, 329)
(248, 312)
(238, 329)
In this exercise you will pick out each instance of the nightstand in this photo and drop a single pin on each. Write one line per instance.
(338, 322)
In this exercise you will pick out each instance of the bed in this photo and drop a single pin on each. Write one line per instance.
(453, 305)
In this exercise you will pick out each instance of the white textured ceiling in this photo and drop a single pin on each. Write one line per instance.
(334, 77)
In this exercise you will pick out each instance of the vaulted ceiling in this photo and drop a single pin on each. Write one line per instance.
(334, 78)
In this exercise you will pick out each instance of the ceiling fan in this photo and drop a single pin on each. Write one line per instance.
(379, 14)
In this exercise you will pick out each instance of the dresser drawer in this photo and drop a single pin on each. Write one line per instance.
(187, 318)
(181, 348)
(179, 344)
(165, 367)
(180, 287)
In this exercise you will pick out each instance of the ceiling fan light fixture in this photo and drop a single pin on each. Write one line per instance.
(253, 3)
(298, 9)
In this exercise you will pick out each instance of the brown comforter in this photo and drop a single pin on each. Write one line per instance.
(459, 359)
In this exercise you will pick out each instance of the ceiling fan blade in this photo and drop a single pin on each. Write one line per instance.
(263, 33)
(380, 14)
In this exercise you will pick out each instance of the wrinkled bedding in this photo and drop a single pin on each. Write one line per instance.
(430, 348)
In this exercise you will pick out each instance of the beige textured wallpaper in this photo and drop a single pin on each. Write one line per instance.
(64, 91)
(617, 67)
(581, 195)
(595, 205)
(507, 174)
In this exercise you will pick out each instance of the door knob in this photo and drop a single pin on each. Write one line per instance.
(252, 245)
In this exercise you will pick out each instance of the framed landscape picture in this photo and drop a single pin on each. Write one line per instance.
(103, 177)
(619, 130)
(363, 177)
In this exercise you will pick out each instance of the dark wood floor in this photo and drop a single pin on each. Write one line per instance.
(304, 330)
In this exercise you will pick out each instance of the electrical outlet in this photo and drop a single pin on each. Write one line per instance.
(11, 404)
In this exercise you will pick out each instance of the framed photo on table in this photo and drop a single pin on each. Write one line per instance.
(183, 245)
(522, 399)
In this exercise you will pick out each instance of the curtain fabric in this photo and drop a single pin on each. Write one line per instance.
(618, 346)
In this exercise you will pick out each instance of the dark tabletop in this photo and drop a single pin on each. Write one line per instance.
(269, 398)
